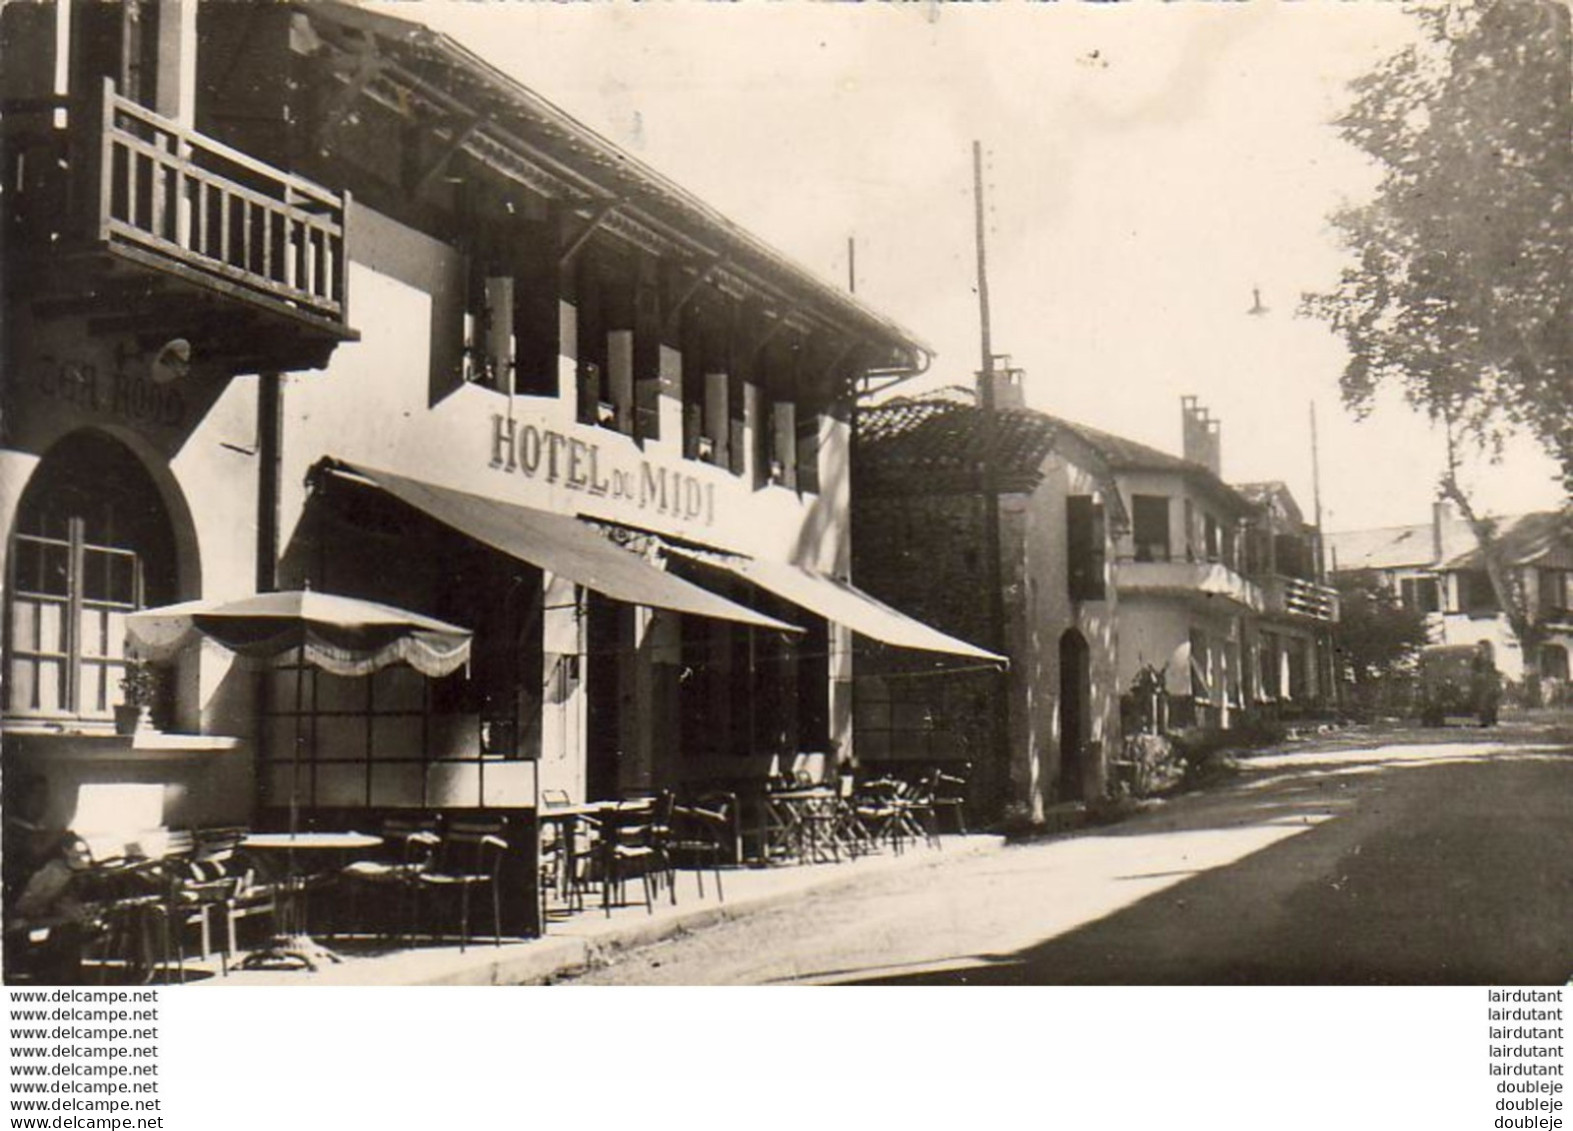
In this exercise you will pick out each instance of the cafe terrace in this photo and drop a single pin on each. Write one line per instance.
(304, 300)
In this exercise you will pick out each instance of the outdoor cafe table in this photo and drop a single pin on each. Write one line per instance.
(293, 942)
(568, 820)
(799, 823)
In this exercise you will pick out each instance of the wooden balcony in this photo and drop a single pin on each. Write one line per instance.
(189, 234)
(1302, 600)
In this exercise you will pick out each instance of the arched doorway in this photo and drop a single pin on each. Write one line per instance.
(1075, 713)
(91, 541)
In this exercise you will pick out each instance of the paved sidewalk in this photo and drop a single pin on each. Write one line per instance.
(580, 941)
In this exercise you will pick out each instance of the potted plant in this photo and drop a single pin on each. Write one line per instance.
(141, 684)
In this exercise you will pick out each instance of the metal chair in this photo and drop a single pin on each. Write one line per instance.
(468, 856)
(704, 831)
(948, 794)
(877, 806)
(409, 844)
(629, 846)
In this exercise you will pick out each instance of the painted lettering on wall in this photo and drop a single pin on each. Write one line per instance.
(582, 465)
(108, 391)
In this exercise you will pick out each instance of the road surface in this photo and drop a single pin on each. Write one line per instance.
(1425, 857)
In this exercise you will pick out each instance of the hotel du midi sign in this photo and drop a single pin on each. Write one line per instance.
(584, 465)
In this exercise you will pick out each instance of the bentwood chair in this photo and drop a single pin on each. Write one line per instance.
(948, 794)
(703, 832)
(208, 880)
(916, 802)
(409, 844)
(468, 857)
(877, 805)
(630, 845)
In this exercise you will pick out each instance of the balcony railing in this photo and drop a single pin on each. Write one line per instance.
(1290, 596)
(197, 204)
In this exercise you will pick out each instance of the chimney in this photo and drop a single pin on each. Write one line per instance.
(1199, 436)
(1441, 523)
(1006, 382)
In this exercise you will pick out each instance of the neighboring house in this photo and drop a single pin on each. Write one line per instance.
(1217, 585)
(918, 509)
(303, 294)
(1118, 558)
(1289, 641)
(1437, 569)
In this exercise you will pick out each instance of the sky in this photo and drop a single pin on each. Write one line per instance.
(1148, 168)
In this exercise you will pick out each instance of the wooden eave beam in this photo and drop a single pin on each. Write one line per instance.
(366, 71)
(486, 129)
(462, 132)
(576, 244)
(675, 310)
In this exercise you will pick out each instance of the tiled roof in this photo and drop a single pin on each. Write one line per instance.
(943, 435)
(1128, 455)
(1388, 547)
(941, 430)
(1541, 538)
(500, 102)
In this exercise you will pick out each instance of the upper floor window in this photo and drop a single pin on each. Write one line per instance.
(590, 320)
(1554, 592)
(1292, 556)
(91, 544)
(1150, 527)
(1213, 547)
(1476, 597)
(1420, 594)
(1084, 539)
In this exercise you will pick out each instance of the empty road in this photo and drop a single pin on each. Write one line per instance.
(1396, 857)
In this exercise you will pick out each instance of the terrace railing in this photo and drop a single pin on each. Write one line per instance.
(1290, 596)
(167, 191)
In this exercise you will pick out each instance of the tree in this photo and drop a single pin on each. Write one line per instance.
(1460, 294)
(1376, 635)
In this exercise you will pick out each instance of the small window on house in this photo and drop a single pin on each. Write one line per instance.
(781, 463)
(1553, 595)
(1212, 538)
(1293, 554)
(1150, 527)
(1475, 595)
(488, 331)
(807, 449)
(1420, 594)
(590, 309)
(1084, 554)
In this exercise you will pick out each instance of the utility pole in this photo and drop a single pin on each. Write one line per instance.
(1330, 666)
(993, 566)
(852, 264)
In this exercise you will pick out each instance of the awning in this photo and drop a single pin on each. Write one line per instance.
(561, 544)
(841, 602)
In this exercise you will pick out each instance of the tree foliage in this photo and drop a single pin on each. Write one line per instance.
(1376, 634)
(1459, 290)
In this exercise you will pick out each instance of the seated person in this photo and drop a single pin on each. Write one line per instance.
(48, 921)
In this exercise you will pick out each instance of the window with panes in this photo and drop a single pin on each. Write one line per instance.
(91, 543)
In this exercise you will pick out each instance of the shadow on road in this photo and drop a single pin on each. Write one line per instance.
(1428, 862)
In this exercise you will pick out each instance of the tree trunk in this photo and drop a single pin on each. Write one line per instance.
(1506, 581)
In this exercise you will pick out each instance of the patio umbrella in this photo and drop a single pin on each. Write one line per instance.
(344, 636)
